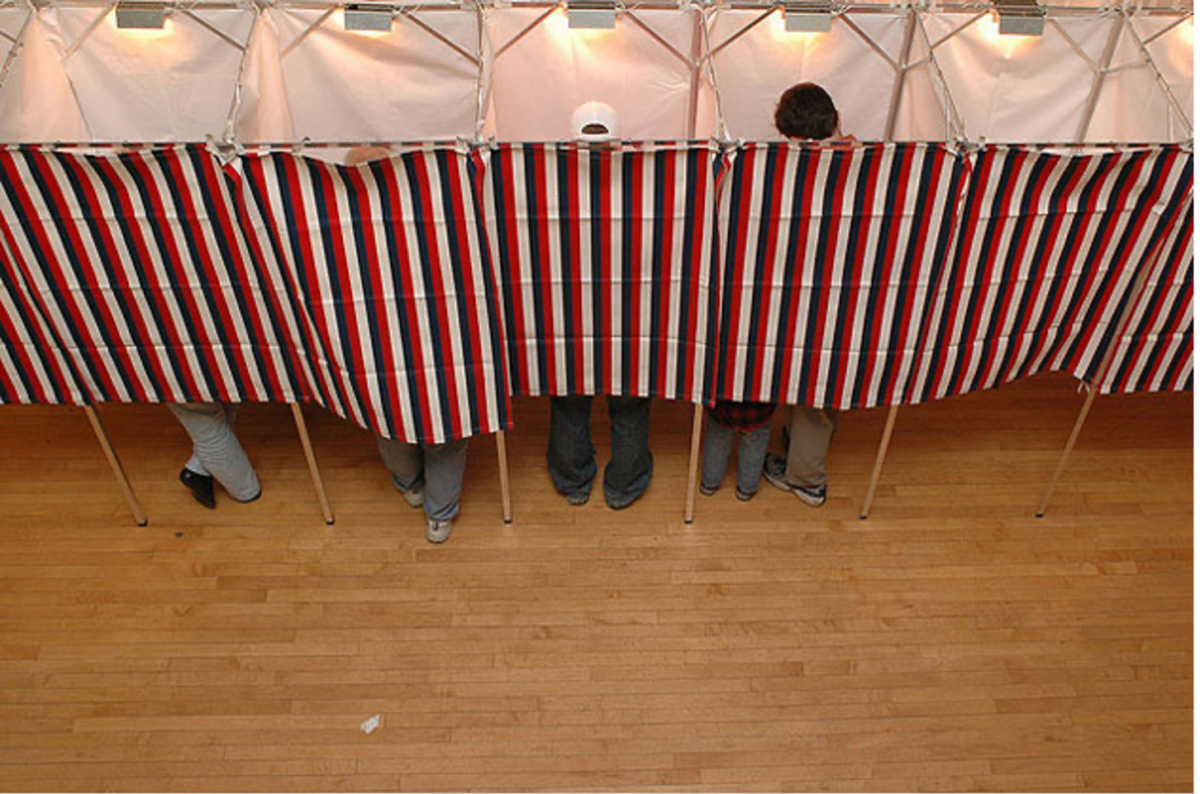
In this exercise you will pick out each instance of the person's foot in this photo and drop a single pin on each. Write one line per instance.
(774, 469)
(201, 487)
(707, 490)
(578, 499)
(413, 494)
(438, 531)
(743, 496)
(254, 498)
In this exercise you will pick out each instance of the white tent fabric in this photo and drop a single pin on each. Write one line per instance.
(262, 107)
(755, 69)
(289, 73)
(1133, 106)
(37, 102)
(403, 85)
(160, 85)
(538, 83)
(1018, 88)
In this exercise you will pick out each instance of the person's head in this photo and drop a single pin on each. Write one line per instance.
(596, 121)
(806, 111)
(365, 154)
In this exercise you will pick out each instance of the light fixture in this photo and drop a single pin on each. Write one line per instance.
(366, 16)
(1020, 17)
(141, 16)
(803, 16)
(592, 14)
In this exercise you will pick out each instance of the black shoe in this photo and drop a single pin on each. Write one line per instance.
(200, 486)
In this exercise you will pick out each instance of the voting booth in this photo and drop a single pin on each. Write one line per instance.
(178, 221)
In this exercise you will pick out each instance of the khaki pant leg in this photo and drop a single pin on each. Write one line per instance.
(809, 433)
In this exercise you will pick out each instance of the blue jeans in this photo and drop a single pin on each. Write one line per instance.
(572, 458)
(718, 445)
(439, 467)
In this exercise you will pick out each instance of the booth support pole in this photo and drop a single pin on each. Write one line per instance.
(502, 462)
(689, 508)
(1066, 453)
(306, 442)
(910, 29)
(884, 442)
(1135, 297)
(114, 462)
(1089, 108)
(18, 43)
(694, 73)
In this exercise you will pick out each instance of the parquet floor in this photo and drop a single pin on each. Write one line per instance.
(951, 642)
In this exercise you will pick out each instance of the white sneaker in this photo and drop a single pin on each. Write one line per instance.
(414, 495)
(438, 531)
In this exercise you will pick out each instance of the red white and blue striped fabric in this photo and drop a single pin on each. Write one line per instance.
(606, 256)
(135, 265)
(829, 256)
(1045, 259)
(386, 266)
(33, 368)
(1156, 349)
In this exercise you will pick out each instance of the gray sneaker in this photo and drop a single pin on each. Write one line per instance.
(414, 494)
(578, 499)
(438, 531)
(774, 469)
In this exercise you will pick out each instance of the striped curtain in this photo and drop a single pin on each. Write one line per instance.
(1155, 353)
(1044, 262)
(388, 283)
(33, 368)
(606, 258)
(132, 265)
(829, 257)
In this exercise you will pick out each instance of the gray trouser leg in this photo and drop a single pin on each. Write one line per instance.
(627, 475)
(718, 444)
(444, 465)
(439, 467)
(809, 432)
(752, 451)
(404, 461)
(569, 452)
(215, 448)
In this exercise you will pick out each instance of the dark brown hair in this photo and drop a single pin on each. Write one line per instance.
(806, 111)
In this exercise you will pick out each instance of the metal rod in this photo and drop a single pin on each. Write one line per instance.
(953, 120)
(848, 22)
(412, 17)
(524, 31)
(18, 43)
(1167, 29)
(505, 492)
(884, 442)
(95, 23)
(306, 442)
(1089, 108)
(227, 39)
(235, 104)
(654, 35)
(910, 29)
(114, 463)
(955, 32)
(689, 507)
(1162, 81)
(712, 51)
(694, 73)
(304, 33)
(1054, 23)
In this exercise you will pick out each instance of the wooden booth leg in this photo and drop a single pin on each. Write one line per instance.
(114, 462)
(502, 461)
(306, 442)
(879, 458)
(1066, 453)
(689, 508)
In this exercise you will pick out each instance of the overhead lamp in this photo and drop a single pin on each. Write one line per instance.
(591, 14)
(808, 17)
(1021, 17)
(141, 16)
(368, 17)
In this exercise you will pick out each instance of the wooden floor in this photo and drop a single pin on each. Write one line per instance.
(951, 642)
